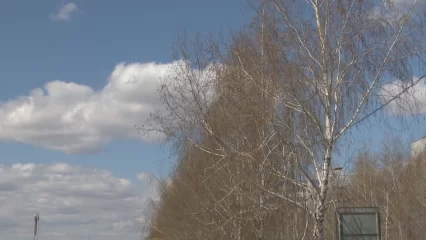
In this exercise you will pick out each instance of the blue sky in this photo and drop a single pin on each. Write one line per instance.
(85, 49)
(69, 148)
(63, 48)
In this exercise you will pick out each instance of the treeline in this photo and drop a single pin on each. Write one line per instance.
(205, 202)
(257, 123)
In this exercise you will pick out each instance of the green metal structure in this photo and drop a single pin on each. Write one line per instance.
(355, 223)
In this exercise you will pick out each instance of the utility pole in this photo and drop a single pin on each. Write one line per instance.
(36, 225)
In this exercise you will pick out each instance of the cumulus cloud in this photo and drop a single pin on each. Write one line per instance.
(64, 13)
(75, 118)
(412, 101)
(74, 202)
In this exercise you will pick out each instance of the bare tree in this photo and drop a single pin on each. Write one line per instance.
(237, 149)
(345, 54)
(273, 106)
(392, 181)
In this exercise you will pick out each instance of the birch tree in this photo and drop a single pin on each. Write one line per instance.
(233, 134)
(345, 54)
(289, 91)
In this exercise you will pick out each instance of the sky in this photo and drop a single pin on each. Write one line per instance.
(77, 77)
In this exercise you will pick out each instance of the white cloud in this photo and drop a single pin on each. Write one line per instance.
(64, 13)
(73, 202)
(145, 177)
(413, 101)
(385, 14)
(74, 118)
